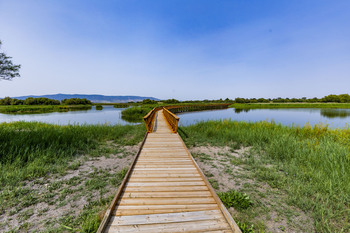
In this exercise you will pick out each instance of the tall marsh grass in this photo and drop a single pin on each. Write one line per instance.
(29, 150)
(25, 109)
(312, 164)
(136, 114)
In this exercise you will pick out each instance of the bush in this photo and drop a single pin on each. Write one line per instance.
(235, 199)
(76, 101)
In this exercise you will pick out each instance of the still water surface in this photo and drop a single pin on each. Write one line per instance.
(335, 118)
(109, 115)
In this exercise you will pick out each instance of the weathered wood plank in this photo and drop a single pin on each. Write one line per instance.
(131, 212)
(165, 188)
(193, 226)
(165, 175)
(166, 183)
(166, 218)
(167, 194)
(165, 201)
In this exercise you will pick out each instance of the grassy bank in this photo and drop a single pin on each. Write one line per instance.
(290, 105)
(30, 150)
(312, 165)
(136, 114)
(35, 154)
(25, 109)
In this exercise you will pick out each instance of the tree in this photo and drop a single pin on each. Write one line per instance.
(8, 70)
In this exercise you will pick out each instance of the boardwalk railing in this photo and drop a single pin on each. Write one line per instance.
(149, 118)
(172, 119)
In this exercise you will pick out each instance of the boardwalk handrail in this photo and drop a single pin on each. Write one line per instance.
(149, 118)
(172, 119)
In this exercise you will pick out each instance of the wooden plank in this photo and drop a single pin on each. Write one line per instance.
(171, 166)
(166, 183)
(169, 207)
(163, 179)
(165, 188)
(166, 218)
(164, 175)
(167, 194)
(165, 169)
(131, 212)
(166, 201)
(193, 226)
(155, 172)
(169, 160)
(178, 171)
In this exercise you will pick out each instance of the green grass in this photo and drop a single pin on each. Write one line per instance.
(30, 150)
(136, 114)
(235, 199)
(289, 105)
(310, 164)
(90, 218)
(25, 109)
(99, 107)
(36, 152)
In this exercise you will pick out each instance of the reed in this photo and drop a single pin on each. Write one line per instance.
(136, 114)
(25, 109)
(30, 150)
(121, 105)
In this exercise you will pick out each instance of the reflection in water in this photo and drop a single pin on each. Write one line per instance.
(106, 115)
(109, 115)
(239, 110)
(99, 107)
(335, 113)
(334, 118)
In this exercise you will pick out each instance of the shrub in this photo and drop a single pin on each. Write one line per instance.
(235, 199)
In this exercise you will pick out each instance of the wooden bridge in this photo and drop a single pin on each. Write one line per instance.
(164, 189)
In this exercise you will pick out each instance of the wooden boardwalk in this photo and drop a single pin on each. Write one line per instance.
(165, 191)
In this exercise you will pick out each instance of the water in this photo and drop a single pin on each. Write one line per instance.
(109, 115)
(335, 118)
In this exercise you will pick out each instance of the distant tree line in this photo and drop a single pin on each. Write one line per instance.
(76, 101)
(343, 98)
(43, 101)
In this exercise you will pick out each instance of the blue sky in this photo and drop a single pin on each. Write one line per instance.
(178, 49)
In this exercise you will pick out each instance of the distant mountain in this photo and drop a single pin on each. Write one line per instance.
(92, 98)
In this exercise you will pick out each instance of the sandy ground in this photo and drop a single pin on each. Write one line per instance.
(217, 163)
(65, 195)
